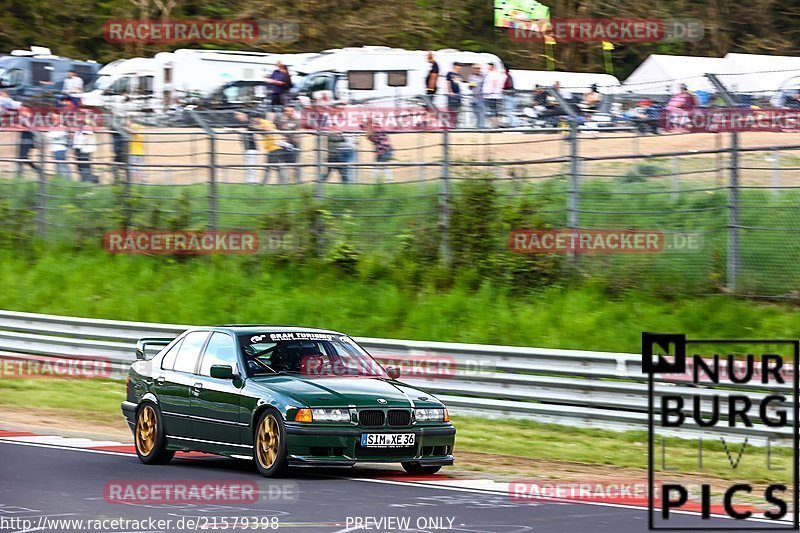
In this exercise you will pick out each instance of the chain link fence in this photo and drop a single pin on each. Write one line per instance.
(734, 195)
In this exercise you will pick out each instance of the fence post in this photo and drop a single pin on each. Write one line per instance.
(676, 184)
(733, 214)
(41, 190)
(776, 172)
(318, 186)
(212, 169)
(573, 186)
(444, 201)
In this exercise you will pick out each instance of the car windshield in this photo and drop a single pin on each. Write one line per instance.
(311, 354)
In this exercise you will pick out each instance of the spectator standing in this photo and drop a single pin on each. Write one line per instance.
(27, 142)
(279, 83)
(272, 148)
(248, 136)
(85, 144)
(493, 93)
(73, 89)
(58, 139)
(510, 99)
(591, 100)
(431, 82)
(454, 92)
(383, 150)
(341, 149)
(136, 152)
(7, 103)
(289, 122)
(476, 81)
(684, 100)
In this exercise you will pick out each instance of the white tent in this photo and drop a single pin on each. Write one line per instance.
(758, 74)
(661, 74)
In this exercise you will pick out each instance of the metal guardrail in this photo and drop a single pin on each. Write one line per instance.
(583, 388)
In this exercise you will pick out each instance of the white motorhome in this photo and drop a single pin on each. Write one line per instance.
(377, 73)
(154, 84)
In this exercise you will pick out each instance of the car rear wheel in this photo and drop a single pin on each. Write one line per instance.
(416, 468)
(269, 449)
(149, 437)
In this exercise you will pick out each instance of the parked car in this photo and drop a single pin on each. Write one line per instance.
(282, 396)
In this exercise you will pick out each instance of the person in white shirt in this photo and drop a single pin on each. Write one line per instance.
(73, 88)
(85, 145)
(58, 138)
(493, 93)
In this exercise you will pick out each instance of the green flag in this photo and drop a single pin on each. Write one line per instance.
(519, 13)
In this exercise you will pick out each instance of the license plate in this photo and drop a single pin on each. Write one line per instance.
(387, 440)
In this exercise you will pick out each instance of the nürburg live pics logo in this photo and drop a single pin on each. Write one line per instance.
(723, 433)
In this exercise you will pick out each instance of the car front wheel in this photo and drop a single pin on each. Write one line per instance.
(416, 468)
(149, 437)
(269, 449)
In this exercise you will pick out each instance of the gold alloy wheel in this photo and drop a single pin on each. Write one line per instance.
(268, 441)
(146, 430)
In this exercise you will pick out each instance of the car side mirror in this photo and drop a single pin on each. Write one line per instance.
(393, 372)
(222, 371)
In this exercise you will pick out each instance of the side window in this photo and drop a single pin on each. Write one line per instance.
(12, 78)
(190, 351)
(397, 78)
(169, 358)
(221, 350)
(361, 80)
(41, 72)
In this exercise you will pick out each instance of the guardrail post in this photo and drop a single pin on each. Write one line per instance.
(676, 183)
(41, 190)
(733, 214)
(444, 201)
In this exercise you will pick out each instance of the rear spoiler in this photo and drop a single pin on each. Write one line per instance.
(142, 345)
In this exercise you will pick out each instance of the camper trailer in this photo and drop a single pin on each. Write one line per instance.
(377, 73)
(155, 84)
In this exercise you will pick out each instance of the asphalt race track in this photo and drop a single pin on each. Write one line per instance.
(63, 483)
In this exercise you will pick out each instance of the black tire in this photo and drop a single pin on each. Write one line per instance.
(416, 468)
(157, 454)
(280, 460)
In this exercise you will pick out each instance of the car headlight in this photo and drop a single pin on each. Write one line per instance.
(330, 415)
(431, 415)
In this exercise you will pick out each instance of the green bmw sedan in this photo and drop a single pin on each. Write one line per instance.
(284, 397)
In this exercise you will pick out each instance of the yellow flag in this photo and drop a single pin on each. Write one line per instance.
(607, 45)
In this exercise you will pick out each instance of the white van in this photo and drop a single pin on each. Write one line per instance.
(378, 73)
(154, 84)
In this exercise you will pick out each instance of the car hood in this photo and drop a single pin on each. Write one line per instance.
(345, 391)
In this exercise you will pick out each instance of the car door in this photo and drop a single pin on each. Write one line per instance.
(216, 402)
(173, 384)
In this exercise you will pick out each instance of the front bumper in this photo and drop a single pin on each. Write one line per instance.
(341, 446)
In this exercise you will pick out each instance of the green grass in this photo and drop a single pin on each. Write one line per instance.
(99, 400)
(370, 302)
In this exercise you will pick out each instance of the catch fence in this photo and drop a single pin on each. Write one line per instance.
(734, 195)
